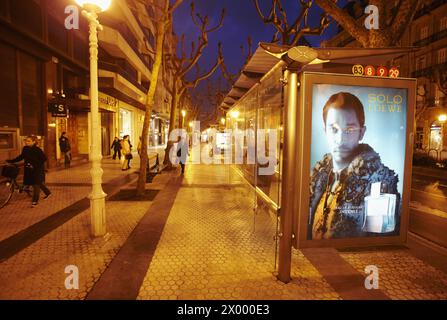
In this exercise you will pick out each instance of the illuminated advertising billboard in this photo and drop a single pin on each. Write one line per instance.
(357, 157)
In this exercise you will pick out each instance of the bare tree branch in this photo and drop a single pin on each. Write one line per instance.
(345, 20)
(220, 24)
(405, 14)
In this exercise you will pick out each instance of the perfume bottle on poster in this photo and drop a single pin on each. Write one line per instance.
(379, 211)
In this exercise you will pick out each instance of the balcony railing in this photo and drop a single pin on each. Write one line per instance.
(423, 42)
(426, 9)
(433, 38)
(116, 68)
(439, 35)
(433, 103)
(125, 32)
(427, 71)
(421, 73)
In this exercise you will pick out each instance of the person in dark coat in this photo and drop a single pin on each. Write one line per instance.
(182, 152)
(64, 145)
(116, 146)
(34, 174)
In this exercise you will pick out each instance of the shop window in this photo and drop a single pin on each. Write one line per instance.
(435, 136)
(31, 95)
(8, 90)
(7, 140)
(125, 122)
(27, 14)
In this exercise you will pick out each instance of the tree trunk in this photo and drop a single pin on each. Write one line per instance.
(174, 103)
(161, 27)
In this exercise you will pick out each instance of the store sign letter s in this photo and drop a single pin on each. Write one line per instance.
(372, 20)
(72, 21)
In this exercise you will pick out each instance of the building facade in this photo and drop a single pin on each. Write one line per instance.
(44, 71)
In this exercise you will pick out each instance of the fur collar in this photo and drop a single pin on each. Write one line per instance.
(363, 170)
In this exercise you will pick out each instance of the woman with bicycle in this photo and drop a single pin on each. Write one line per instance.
(34, 173)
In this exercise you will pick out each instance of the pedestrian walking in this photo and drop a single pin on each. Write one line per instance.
(34, 174)
(182, 152)
(65, 147)
(126, 147)
(116, 146)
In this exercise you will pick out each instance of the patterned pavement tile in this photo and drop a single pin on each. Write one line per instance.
(67, 187)
(401, 275)
(38, 271)
(213, 247)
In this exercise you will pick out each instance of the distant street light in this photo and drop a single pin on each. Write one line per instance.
(442, 118)
(235, 114)
(183, 118)
(222, 120)
(97, 196)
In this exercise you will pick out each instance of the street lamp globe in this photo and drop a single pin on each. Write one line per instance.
(222, 120)
(183, 113)
(442, 118)
(100, 5)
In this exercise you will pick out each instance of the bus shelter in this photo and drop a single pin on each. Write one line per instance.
(343, 124)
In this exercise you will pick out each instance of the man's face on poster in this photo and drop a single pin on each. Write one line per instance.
(343, 133)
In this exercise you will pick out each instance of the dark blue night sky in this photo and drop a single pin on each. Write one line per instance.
(241, 21)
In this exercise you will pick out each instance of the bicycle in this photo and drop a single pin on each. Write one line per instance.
(9, 184)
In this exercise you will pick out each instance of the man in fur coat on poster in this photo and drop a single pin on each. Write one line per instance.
(344, 177)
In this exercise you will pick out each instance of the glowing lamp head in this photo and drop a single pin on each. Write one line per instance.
(442, 118)
(183, 113)
(191, 124)
(222, 120)
(235, 114)
(100, 5)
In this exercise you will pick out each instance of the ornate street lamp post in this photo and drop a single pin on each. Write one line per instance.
(97, 196)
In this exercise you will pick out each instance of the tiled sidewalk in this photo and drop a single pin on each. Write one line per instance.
(38, 272)
(214, 247)
(67, 187)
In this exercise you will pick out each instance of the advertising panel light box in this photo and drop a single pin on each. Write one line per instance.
(356, 159)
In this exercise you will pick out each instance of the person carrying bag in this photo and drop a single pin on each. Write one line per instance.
(127, 152)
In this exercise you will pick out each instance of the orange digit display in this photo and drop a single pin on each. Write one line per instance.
(394, 72)
(382, 72)
(370, 71)
(357, 70)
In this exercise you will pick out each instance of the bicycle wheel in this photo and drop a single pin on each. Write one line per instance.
(6, 191)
